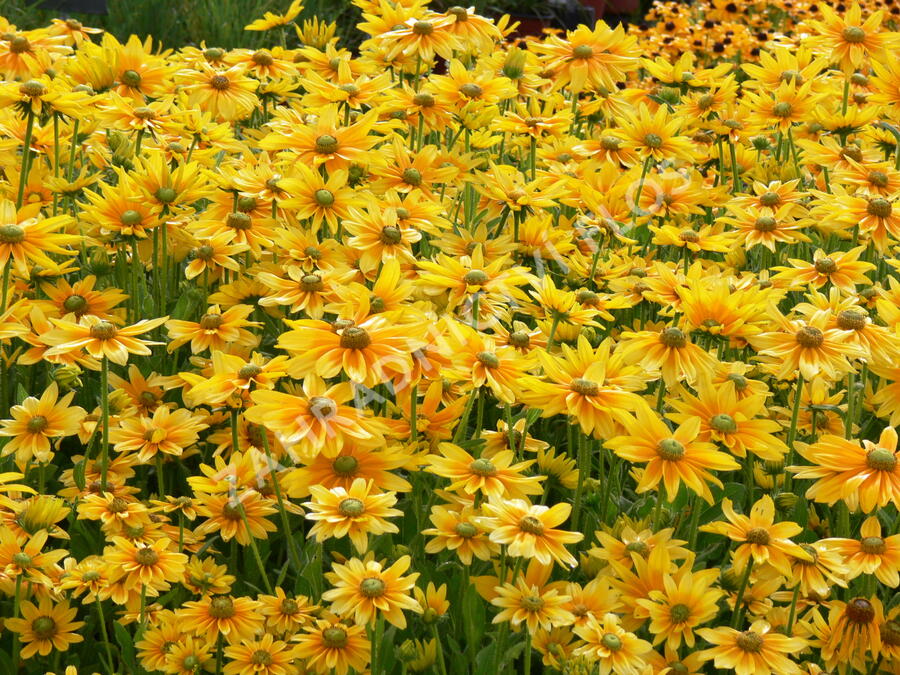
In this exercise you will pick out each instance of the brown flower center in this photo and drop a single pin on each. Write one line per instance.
(872, 545)
(422, 28)
(471, 90)
(531, 525)
(103, 330)
(249, 371)
(749, 641)
(44, 627)
(770, 199)
(334, 637)
(679, 613)
(32, 88)
(238, 221)
(825, 266)
(261, 658)
(810, 337)
(219, 82)
(880, 208)
(653, 141)
(146, 556)
(765, 224)
(354, 337)
(221, 607)
(757, 535)
(323, 408)
(851, 320)
(211, 321)
(860, 610)
(673, 337)
(881, 459)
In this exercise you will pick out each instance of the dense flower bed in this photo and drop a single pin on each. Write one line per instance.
(464, 353)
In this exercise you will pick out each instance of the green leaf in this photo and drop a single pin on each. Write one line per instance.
(126, 646)
(474, 614)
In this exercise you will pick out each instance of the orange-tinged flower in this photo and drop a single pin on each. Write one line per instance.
(165, 432)
(863, 476)
(214, 331)
(364, 589)
(101, 339)
(26, 239)
(355, 513)
(265, 656)
(609, 644)
(332, 646)
(154, 565)
(849, 39)
(671, 457)
(240, 517)
(870, 554)
(318, 421)
(36, 421)
(760, 539)
(459, 531)
(496, 477)
(234, 618)
(753, 651)
(529, 531)
(45, 627)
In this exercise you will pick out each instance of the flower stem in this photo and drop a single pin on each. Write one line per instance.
(26, 152)
(738, 602)
(442, 666)
(285, 522)
(104, 422)
(792, 430)
(105, 634)
(253, 547)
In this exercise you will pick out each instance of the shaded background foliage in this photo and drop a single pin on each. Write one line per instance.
(220, 23)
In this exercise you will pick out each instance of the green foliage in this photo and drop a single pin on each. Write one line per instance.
(175, 23)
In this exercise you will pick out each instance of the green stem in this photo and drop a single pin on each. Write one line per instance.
(26, 153)
(104, 422)
(584, 469)
(285, 522)
(5, 289)
(105, 634)
(793, 612)
(15, 615)
(253, 547)
(792, 430)
(442, 665)
(235, 444)
(738, 603)
(527, 669)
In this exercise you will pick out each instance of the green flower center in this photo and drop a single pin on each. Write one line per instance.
(372, 587)
(670, 449)
(351, 508)
(723, 423)
(334, 637)
(853, 34)
(881, 459)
